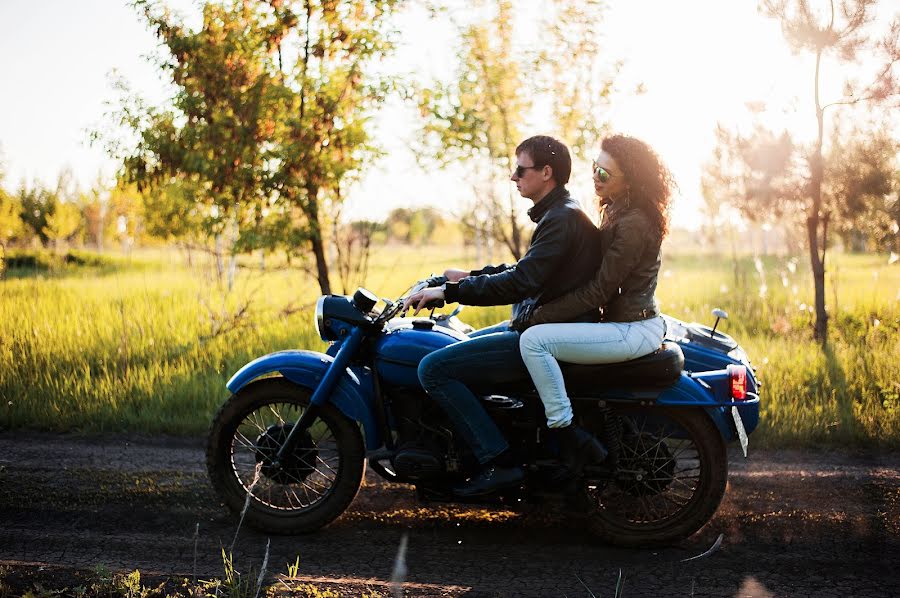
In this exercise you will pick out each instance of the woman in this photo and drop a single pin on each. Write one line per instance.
(634, 188)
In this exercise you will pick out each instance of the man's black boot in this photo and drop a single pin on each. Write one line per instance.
(496, 474)
(577, 448)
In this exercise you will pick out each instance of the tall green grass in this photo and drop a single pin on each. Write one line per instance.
(148, 345)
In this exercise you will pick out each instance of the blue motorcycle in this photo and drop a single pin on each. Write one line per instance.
(289, 448)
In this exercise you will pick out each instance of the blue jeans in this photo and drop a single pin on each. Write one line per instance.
(603, 342)
(448, 373)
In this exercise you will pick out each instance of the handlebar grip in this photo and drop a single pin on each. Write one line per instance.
(436, 281)
(434, 304)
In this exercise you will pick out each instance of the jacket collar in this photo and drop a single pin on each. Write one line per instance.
(615, 208)
(558, 195)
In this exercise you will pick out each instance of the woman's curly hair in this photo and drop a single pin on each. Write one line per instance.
(651, 183)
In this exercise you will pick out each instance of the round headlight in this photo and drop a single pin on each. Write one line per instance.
(320, 317)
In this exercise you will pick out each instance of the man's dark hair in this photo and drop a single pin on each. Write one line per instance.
(547, 151)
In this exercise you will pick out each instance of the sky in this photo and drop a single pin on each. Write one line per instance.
(700, 62)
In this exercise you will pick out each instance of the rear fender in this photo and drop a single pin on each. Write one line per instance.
(688, 392)
(353, 396)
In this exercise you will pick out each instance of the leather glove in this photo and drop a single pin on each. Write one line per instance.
(523, 317)
(436, 281)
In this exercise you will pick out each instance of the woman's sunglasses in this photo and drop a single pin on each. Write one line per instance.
(602, 174)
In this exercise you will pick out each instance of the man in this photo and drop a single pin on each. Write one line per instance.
(562, 256)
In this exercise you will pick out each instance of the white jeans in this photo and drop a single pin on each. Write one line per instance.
(605, 342)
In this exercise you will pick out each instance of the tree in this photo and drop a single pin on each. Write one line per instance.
(95, 211)
(861, 187)
(212, 137)
(326, 98)
(11, 225)
(269, 115)
(37, 204)
(844, 32)
(758, 173)
(576, 82)
(412, 225)
(63, 223)
(126, 214)
(353, 244)
(173, 212)
(479, 117)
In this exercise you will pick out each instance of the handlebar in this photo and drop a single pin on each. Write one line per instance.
(393, 308)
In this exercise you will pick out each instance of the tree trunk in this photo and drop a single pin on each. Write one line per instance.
(315, 239)
(220, 265)
(816, 247)
(516, 234)
(817, 264)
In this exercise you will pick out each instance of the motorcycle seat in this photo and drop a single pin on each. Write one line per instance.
(655, 371)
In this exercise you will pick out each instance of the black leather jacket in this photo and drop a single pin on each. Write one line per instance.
(562, 256)
(624, 287)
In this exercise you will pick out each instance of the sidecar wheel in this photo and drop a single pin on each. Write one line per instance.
(670, 477)
(315, 485)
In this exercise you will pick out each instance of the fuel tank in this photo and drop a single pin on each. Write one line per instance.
(399, 351)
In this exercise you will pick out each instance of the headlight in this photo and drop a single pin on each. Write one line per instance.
(320, 318)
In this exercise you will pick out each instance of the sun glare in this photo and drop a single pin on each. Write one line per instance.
(701, 64)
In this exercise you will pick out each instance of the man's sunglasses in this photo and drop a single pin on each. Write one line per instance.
(519, 172)
(602, 174)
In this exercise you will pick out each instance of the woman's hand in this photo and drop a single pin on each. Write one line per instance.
(455, 275)
(523, 317)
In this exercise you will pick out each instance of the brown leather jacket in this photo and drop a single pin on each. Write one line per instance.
(624, 287)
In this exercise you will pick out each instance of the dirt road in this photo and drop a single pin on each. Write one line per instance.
(794, 524)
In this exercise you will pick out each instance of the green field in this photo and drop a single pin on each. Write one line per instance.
(145, 344)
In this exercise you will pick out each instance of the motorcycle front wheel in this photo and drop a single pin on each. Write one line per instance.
(670, 473)
(314, 485)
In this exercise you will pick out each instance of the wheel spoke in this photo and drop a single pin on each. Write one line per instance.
(663, 453)
(305, 478)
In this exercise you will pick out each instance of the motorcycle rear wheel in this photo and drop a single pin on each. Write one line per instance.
(318, 481)
(670, 477)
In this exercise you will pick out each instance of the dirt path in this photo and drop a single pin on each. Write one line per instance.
(794, 524)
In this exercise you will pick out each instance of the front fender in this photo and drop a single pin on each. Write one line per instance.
(354, 394)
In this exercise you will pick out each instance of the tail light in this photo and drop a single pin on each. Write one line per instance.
(738, 376)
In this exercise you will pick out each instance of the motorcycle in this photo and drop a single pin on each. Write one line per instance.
(288, 450)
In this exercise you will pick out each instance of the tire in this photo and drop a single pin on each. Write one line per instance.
(319, 480)
(682, 450)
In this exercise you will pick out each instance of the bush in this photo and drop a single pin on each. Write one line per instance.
(42, 260)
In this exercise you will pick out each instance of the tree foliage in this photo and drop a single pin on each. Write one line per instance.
(757, 173)
(63, 223)
(862, 186)
(11, 224)
(481, 115)
(326, 99)
(37, 204)
(268, 118)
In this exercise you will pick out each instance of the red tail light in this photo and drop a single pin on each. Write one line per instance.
(738, 376)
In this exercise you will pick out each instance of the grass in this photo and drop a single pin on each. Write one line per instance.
(145, 344)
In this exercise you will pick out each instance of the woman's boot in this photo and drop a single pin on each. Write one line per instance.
(577, 447)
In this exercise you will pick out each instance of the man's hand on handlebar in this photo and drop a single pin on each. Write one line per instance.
(425, 299)
(436, 281)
